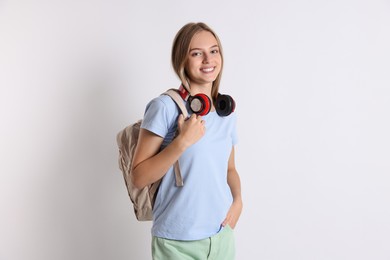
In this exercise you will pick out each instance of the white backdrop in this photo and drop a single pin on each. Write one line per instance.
(312, 85)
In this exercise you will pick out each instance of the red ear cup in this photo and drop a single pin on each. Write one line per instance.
(225, 105)
(200, 104)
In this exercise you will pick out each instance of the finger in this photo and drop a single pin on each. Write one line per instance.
(180, 121)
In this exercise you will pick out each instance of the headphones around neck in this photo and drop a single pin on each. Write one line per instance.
(201, 104)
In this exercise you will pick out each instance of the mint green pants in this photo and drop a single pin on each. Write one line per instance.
(218, 247)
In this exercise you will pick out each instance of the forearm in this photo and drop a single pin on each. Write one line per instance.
(235, 209)
(150, 164)
(235, 185)
(155, 167)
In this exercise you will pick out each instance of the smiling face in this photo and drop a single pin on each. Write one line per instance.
(204, 60)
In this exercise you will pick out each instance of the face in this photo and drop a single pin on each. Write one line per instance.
(204, 59)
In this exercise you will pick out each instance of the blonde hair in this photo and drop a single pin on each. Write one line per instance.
(181, 47)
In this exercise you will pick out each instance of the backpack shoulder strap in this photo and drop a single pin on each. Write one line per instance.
(178, 100)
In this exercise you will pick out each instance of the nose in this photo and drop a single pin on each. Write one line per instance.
(206, 58)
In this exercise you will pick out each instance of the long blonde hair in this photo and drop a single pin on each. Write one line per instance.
(181, 47)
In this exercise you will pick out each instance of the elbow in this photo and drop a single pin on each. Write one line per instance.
(136, 180)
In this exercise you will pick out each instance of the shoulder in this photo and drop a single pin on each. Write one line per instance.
(160, 115)
(163, 102)
(230, 119)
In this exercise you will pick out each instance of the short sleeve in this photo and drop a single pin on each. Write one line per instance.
(234, 134)
(159, 115)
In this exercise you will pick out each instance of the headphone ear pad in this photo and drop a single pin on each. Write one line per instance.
(200, 104)
(225, 105)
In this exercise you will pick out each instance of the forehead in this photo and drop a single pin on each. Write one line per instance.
(203, 40)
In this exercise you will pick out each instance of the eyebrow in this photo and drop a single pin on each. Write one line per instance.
(216, 45)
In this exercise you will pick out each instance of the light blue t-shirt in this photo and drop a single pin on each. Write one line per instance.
(196, 210)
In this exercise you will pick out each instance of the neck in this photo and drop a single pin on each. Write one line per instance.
(201, 88)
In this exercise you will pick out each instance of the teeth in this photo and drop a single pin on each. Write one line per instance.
(208, 69)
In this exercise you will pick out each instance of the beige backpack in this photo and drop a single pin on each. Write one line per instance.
(127, 139)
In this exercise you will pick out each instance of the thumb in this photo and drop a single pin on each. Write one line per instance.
(180, 121)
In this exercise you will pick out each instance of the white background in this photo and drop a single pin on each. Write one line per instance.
(312, 84)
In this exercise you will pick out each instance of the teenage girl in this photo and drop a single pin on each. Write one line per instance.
(195, 221)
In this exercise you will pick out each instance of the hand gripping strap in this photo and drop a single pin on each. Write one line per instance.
(179, 101)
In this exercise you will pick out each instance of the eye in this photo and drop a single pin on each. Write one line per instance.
(196, 53)
(216, 51)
